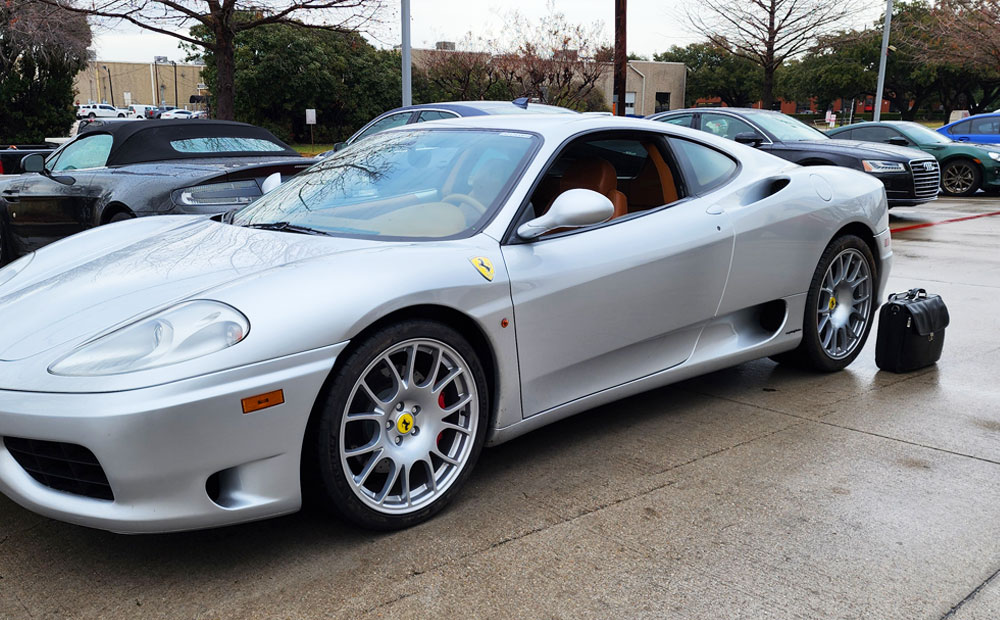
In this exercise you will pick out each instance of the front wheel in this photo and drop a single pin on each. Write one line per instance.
(960, 177)
(839, 307)
(401, 425)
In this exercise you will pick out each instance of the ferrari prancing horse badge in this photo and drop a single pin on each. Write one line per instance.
(484, 266)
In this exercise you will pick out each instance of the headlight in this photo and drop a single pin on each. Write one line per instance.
(186, 331)
(7, 273)
(994, 155)
(873, 165)
(218, 194)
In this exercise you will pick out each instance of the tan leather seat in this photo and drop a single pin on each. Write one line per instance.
(596, 175)
(654, 185)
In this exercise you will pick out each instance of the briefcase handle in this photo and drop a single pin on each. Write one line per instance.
(913, 293)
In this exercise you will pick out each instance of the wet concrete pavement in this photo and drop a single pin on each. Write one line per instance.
(753, 492)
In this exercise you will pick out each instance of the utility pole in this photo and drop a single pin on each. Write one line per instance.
(177, 103)
(407, 82)
(877, 108)
(621, 57)
(110, 86)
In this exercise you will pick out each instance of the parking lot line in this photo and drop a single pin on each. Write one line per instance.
(951, 221)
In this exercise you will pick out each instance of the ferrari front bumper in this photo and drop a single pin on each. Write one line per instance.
(177, 456)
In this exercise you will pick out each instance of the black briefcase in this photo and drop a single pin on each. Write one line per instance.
(910, 331)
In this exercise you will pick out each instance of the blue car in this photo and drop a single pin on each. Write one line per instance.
(451, 109)
(981, 129)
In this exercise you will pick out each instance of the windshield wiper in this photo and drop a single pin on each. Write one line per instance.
(288, 227)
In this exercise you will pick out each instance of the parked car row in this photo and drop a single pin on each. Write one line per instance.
(910, 176)
(104, 110)
(965, 167)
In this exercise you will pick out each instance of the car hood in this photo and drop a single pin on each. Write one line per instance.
(88, 284)
(857, 148)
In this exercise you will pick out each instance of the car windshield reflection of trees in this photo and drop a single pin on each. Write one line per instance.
(418, 183)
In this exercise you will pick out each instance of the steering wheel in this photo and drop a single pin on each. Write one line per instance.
(459, 199)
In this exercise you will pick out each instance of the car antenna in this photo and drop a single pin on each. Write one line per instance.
(521, 102)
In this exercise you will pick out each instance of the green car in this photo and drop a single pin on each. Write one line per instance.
(965, 167)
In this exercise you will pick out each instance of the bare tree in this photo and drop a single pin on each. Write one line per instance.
(966, 31)
(47, 32)
(225, 19)
(767, 32)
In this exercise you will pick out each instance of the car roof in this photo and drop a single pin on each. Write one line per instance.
(145, 141)
(973, 117)
(557, 126)
(481, 108)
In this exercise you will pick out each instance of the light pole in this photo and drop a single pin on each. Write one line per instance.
(881, 65)
(110, 87)
(407, 83)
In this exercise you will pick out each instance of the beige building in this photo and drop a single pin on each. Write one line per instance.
(140, 83)
(650, 87)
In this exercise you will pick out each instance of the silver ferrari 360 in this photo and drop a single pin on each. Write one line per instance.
(360, 332)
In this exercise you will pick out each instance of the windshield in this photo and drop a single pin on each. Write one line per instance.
(785, 128)
(415, 183)
(922, 135)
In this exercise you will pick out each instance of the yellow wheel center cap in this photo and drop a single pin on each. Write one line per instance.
(833, 302)
(404, 424)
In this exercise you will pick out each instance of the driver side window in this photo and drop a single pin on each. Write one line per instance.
(88, 152)
(632, 170)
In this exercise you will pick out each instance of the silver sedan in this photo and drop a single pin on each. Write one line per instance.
(361, 332)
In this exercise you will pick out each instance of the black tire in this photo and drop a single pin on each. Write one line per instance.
(121, 216)
(811, 353)
(121, 116)
(91, 116)
(324, 470)
(961, 177)
(4, 254)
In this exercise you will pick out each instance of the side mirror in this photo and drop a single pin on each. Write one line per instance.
(33, 163)
(571, 209)
(749, 138)
(339, 146)
(270, 183)
(899, 141)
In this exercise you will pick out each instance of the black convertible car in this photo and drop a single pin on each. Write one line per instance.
(126, 170)
(910, 176)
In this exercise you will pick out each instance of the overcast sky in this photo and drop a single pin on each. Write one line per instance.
(653, 25)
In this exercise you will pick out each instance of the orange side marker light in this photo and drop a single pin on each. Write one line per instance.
(263, 401)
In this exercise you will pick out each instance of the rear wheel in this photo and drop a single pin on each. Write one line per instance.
(121, 216)
(960, 177)
(401, 425)
(839, 307)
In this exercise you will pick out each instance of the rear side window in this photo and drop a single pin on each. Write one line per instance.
(683, 120)
(962, 127)
(435, 115)
(224, 145)
(704, 167)
(393, 120)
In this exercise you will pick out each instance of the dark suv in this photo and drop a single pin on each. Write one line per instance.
(910, 176)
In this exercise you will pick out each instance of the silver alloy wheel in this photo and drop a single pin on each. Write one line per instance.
(958, 178)
(844, 303)
(409, 426)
